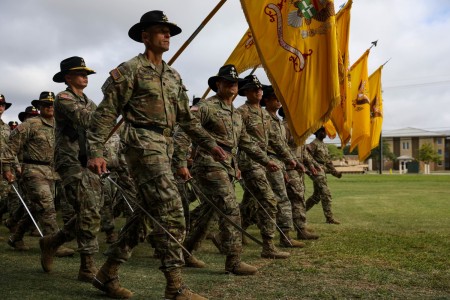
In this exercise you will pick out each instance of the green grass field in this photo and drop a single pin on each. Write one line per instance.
(393, 243)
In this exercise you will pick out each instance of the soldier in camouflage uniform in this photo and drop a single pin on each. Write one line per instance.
(4, 136)
(150, 96)
(215, 180)
(82, 188)
(258, 182)
(35, 138)
(319, 152)
(295, 183)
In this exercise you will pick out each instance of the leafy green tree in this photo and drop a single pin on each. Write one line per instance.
(335, 152)
(387, 154)
(427, 154)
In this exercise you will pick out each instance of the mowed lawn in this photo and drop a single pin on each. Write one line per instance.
(393, 243)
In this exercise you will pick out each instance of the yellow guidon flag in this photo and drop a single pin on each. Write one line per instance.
(244, 56)
(296, 43)
(359, 97)
(342, 113)
(376, 115)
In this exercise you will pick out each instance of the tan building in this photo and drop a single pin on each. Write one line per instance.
(406, 142)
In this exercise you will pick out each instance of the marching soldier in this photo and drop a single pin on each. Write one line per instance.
(5, 131)
(257, 180)
(150, 96)
(82, 188)
(215, 180)
(35, 138)
(319, 152)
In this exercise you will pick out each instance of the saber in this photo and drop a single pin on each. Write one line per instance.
(221, 213)
(122, 192)
(106, 175)
(28, 211)
(259, 203)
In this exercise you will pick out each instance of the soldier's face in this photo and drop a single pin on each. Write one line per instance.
(2, 108)
(157, 38)
(254, 95)
(46, 111)
(77, 79)
(227, 88)
(273, 104)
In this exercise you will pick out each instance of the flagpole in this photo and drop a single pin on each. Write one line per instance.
(386, 62)
(191, 38)
(172, 60)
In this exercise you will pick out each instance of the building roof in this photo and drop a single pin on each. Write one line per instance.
(413, 132)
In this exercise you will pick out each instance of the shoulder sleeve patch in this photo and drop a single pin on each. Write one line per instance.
(116, 74)
(65, 95)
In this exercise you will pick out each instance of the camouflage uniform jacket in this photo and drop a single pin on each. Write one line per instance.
(36, 139)
(5, 131)
(73, 115)
(258, 124)
(319, 151)
(146, 99)
(300, 152)
(226, 126)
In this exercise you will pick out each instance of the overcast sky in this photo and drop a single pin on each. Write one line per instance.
(35, 35)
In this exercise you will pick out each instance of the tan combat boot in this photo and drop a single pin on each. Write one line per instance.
(270, 251)
(287, 242)
(49, 244)
(234, 265)
(87, 268)
(331, 220)
(64, 252)
(107, 280)
(303, 234)
(176, 290)
(193, 262)
(18, 245)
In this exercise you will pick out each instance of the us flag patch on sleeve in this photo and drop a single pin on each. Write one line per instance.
(115, 74)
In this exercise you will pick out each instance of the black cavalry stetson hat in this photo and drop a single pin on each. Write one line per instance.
(227, 72)
(3, 101)
(30, 111)
(45, 98)
(151, 18)
(249, 82)
(71, 64)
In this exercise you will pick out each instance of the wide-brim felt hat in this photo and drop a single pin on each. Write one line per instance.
(45, 98)
(3, 101)
(316, 133)
(73, 63)
(227, 72)
(30, 111)
(153, 17)
(249, 82)
(267, 92)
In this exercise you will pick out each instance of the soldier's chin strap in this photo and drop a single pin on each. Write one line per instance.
(106, 175)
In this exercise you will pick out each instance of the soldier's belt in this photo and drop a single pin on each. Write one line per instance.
(36, 162)
(165, 131)
(232, 150)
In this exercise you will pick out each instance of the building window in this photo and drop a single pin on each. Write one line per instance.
(439, 141)
(405, 145)
(439, 151)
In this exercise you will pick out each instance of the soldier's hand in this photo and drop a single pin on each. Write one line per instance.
(314, 171)
(184, 173)
(301, 167)
(272, 166)
(97, 165)
(338, 174)
(292, 164)
(218, 153)
(9, 176)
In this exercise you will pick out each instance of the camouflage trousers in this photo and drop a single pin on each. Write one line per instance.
(4, 190)
(84, 194)
(284, 208)
(39, 191)
(13, 204)
(296, 192)
(158, 195)
(217, 185)
(257, 185)
(109, 194)
(321, 194)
